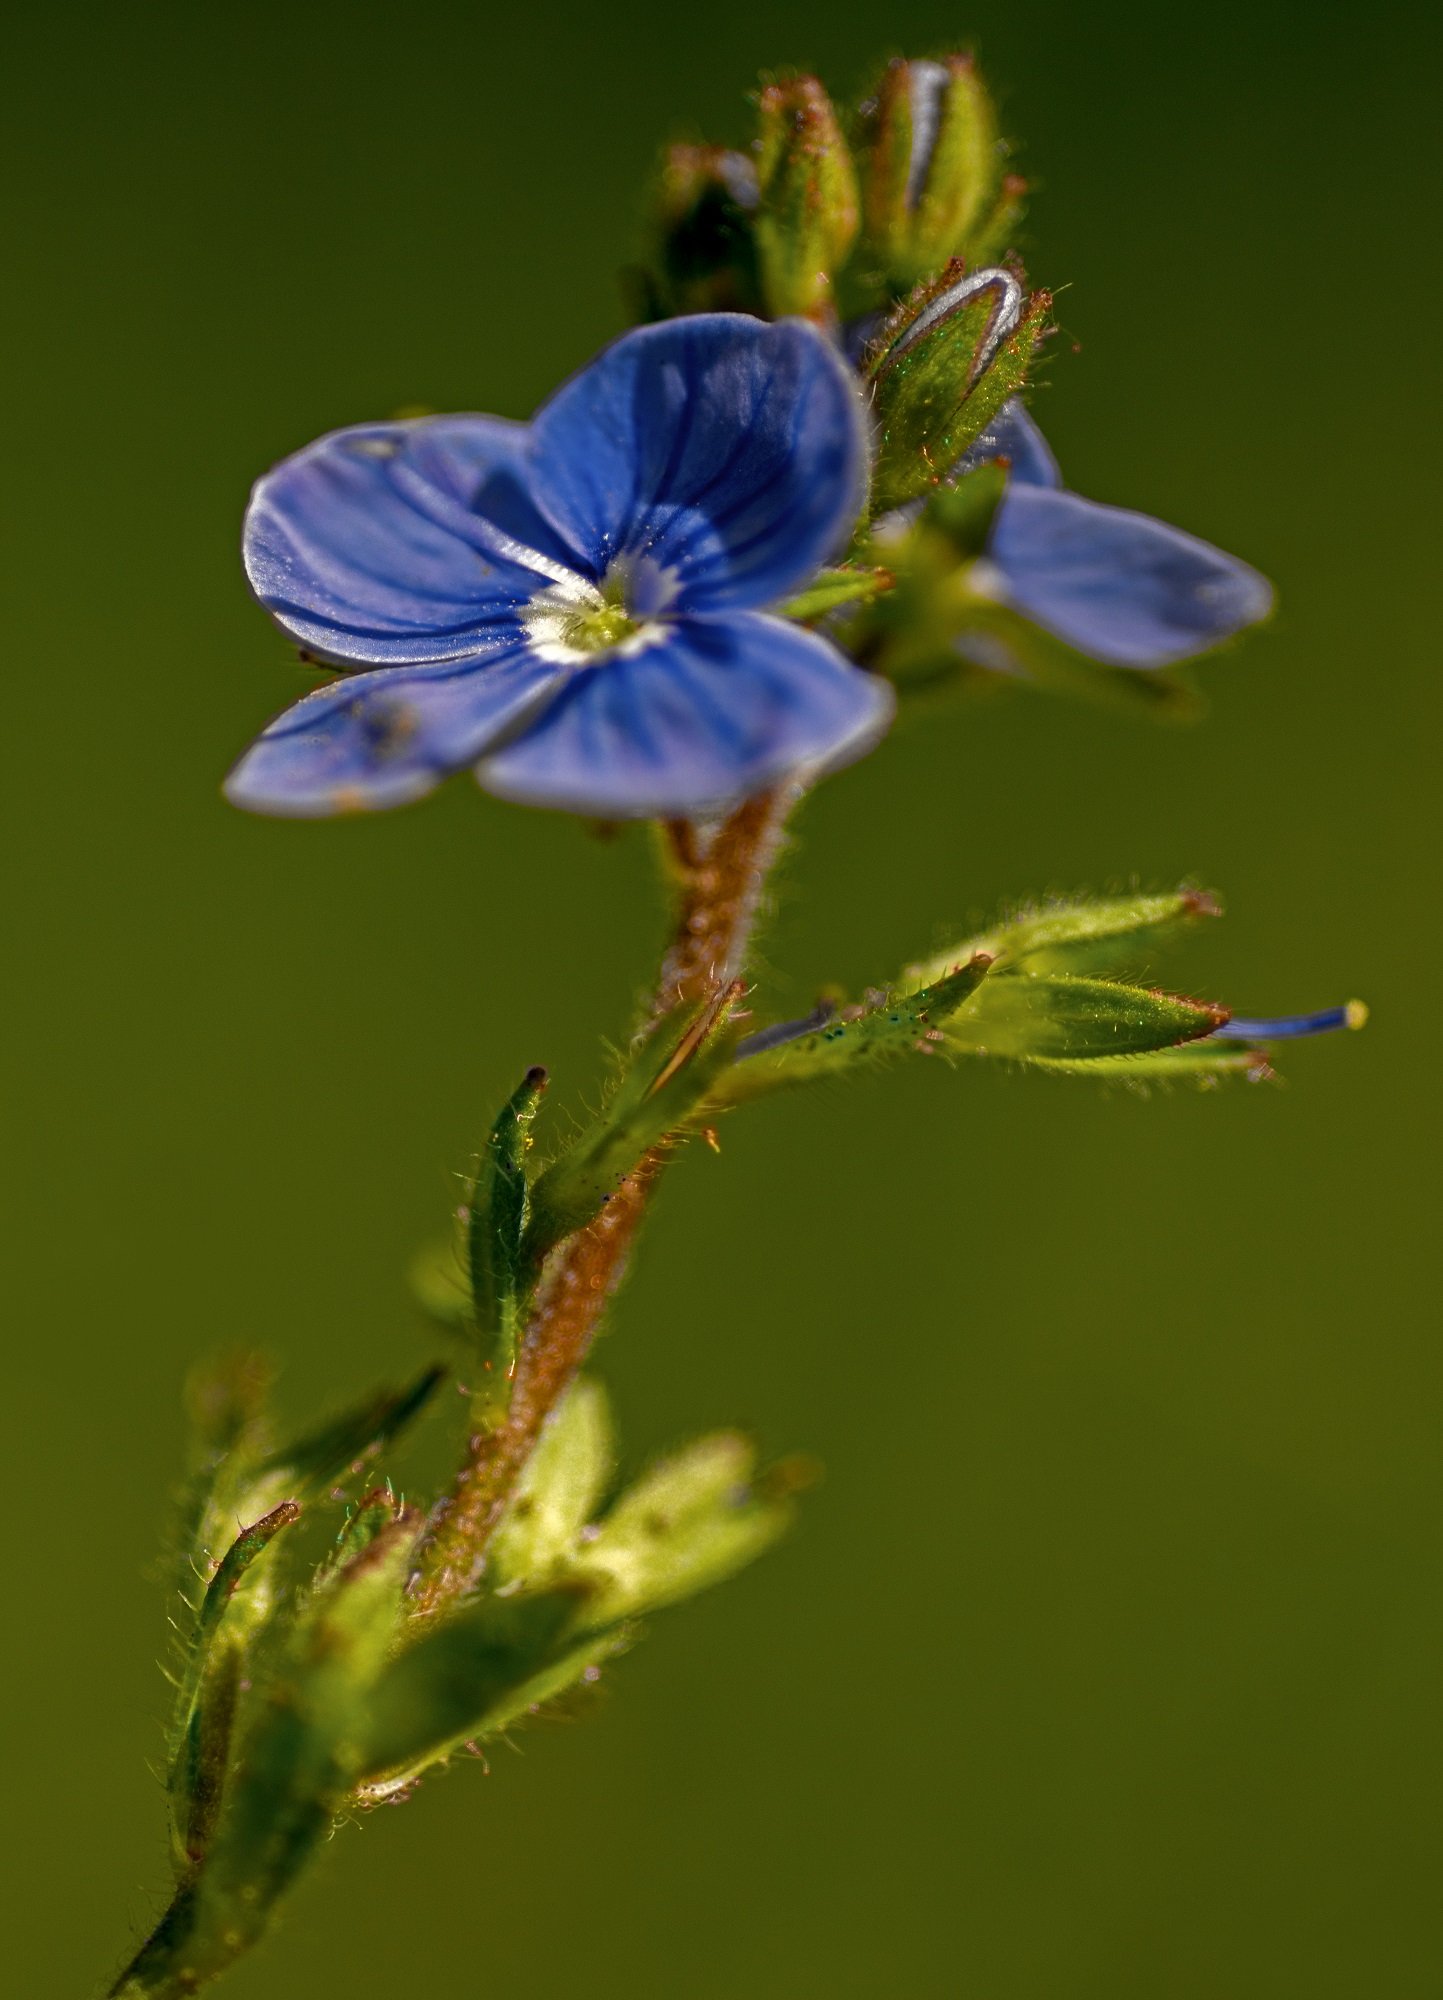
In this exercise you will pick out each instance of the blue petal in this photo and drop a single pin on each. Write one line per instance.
(1352, 1014)
(1013, 435)
(382, 739)
(1119, 586)
(712, 710)
(400, 542)
(731, 453)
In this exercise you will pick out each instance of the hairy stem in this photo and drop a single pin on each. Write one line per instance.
(719, 877)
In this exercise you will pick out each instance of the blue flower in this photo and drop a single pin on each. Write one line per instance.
(1117, 586)
(574, 607)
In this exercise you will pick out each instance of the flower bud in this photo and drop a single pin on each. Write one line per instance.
(705, 257)
(931, 169)
(944, 364)
(808, 215)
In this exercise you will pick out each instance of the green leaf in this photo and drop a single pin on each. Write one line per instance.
(345, 1445)
(882, 1029)
(559, 1490)
(834, 588)
(230, 1573)
(226, 1401)
(497, 1208)
(294, 1766)
(693, 1520)
(1065, 1018)
(469, 1678)
(657, 1098)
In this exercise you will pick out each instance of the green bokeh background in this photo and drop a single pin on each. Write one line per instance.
(1104, 1663)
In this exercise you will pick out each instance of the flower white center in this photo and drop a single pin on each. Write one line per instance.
(576, 623)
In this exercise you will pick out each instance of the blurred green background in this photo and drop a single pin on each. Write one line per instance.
(1104, 1663)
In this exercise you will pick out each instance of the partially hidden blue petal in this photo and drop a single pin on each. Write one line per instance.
(710, 711)
(730, 453)
(1119, 586)
(1286, 1026)
(400, 542)
(385, 738)
(1014, 435)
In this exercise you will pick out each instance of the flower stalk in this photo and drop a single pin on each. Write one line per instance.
(719, 876)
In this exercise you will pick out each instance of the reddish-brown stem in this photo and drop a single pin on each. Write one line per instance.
(719, 878)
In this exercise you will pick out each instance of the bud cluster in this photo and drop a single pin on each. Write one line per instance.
(837, 213)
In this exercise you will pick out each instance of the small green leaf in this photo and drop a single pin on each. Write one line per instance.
(468, 1678)
(558, 1492)
(1064, 1018)
(346, 1444)
(1204, 1064)
(834, 588)
(226, 1403)
(200, 1722)
(498, 1204)
(690, 1522)
(293, 1768)
(657, 1098)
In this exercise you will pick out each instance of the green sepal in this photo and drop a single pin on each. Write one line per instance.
(807, 217)
(883, 1029)
(1059, 1017)
(559, 1491)
(1203, 1064)
(669, 1074)
(833, 589)
(497, 1208)
(1077, 934)
(691, 1521)
(943, 366)
(996, 233)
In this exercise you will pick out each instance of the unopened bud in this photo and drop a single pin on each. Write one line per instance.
(931, 169)
(944, 364)
(808, 215)
(705, 257)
